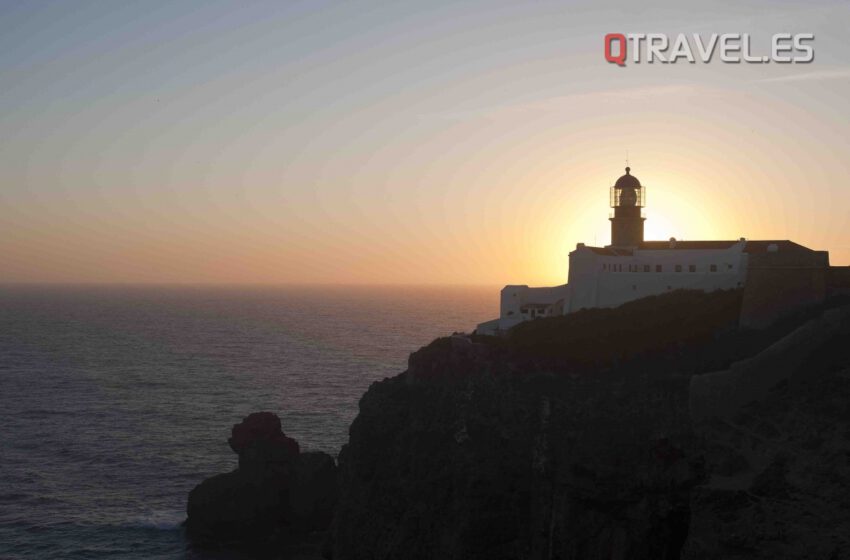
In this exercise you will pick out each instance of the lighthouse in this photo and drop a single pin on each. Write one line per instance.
(627, 199)
(779, 272)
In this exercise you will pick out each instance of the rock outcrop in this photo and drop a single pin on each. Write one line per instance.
(540, 447)
(276, 493)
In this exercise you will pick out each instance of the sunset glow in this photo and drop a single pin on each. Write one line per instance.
(364, 144)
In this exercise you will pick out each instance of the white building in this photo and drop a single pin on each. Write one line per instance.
(631, 268)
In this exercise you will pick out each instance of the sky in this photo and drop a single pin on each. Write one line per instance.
(400, 142)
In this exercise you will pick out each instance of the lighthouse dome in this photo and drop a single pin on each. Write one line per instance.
(627, 181)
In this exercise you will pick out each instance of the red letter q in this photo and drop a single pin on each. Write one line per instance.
(620, 57)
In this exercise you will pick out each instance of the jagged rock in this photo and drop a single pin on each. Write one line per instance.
(262, 446)
(275, 492)
(260, 427)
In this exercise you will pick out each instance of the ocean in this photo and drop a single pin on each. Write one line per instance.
(116, 401)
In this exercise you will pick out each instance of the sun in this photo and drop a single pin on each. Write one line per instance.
(659, 227)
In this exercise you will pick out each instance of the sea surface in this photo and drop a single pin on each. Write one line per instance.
(116, 401)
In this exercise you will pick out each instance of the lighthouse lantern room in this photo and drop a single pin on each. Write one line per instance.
(628, 198)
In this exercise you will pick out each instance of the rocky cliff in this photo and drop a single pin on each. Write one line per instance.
(657, 430)
(775, 437)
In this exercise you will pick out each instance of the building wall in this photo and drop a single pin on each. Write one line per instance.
(608, 280)
(779, 284)
(838, 281)
(776, 282)
(515, 297)
(515, 301)
(583, 279)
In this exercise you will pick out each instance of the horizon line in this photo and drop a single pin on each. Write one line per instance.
(242, 284)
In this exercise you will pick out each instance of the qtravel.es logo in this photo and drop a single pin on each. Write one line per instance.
(731, 47)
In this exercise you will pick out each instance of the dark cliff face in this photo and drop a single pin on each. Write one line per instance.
(492, 465)
(543, 446)
(779, 484)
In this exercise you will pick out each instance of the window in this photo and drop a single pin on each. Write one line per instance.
(658, 268)
(678, 268)
(692, 268)
(713, 268)
(646, 268)
(604, 267)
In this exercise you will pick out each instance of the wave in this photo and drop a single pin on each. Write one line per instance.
(160, 520)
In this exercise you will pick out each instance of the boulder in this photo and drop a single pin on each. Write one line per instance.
(275, 494)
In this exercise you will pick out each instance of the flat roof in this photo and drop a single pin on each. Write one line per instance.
(759, 246)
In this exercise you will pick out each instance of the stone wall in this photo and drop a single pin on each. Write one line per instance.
(778, 284)
(839, 281)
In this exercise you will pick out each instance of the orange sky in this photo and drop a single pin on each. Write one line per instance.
(358, 144)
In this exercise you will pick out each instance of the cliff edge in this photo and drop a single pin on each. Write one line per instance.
(656, 430)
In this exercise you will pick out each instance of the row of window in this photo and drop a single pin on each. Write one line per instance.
(658, 268)
(531, 312)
